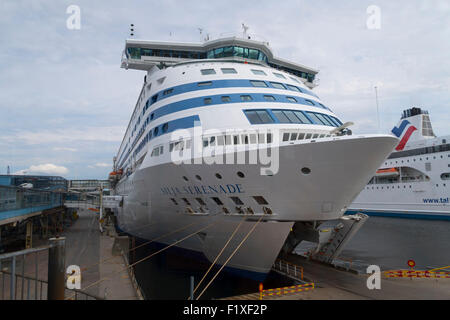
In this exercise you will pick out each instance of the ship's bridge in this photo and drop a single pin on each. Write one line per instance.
(144, 54)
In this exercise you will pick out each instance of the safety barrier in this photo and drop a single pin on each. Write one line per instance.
(285, 290)
(416, 274)
(288, 268)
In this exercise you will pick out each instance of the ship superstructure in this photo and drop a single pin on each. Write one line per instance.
(224, 136)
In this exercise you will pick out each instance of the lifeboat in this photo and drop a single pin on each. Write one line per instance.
(389, 172)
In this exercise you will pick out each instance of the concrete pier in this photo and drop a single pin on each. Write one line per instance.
(92, 251)
(335, 284)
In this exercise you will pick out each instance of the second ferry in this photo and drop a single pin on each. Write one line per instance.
(413, 182)
(229, 151)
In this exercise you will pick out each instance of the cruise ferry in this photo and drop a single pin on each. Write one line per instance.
(228, 150)
(414, 181)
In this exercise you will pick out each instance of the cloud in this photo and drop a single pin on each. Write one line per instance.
(102, 164)
(64, 149)
(47, 168)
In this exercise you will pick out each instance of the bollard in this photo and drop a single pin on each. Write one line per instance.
(56, 269)
(192, 288)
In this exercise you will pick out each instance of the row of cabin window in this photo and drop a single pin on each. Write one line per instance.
(219, 141)
(291, 116)
(255, 71)
(292, 136)
(269, 98)
(236, 139)
(264, 84)
(255, 83)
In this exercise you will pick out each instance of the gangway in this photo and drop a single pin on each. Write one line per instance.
(289, 270)
(333, 242)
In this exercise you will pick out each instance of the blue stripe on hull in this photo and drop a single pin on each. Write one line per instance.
(426, 216)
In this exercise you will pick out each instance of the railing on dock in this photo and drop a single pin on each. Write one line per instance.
(288, 269)
(24, 276)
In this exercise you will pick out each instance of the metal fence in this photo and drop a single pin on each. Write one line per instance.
(24, 276)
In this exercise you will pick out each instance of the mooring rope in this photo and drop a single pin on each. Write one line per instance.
(231, 256)
(220, 253)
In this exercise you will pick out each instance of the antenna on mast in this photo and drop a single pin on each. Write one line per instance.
(244, 33)
(131, 30)
(378, 110)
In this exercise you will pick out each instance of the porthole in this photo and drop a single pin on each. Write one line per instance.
(218, 176)
(306, 170)
(185, 178)
(198, 177)
(240, 174)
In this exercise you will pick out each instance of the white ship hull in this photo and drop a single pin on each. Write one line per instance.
(339, 168)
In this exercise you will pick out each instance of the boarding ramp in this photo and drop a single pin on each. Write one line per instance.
(324, 241)
(333, 241)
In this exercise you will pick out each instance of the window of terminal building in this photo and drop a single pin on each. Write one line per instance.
(207, 101)
(226, 99)
(309, 102)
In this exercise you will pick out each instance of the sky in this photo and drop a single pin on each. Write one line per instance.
(65, 102)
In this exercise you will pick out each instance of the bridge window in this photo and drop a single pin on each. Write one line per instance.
(302, 117)
(281, 116)
(258, 116)
(168, 91)
(292, 117)
(207, 71)
(207, 100)
(226, 99)
(257, 83)
(309, 102)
